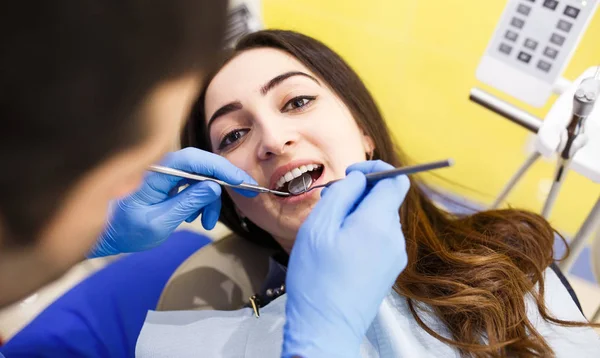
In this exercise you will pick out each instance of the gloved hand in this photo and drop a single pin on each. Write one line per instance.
(147, 217)
(346, 257)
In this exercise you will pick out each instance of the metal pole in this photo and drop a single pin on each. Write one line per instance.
(562, 167)
(505, 109)
(515, 179)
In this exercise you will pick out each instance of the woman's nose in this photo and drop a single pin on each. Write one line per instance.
(276, 141)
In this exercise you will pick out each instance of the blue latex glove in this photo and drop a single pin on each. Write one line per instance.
(146, 218)
(345, 260)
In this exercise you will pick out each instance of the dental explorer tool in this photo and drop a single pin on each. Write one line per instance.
(372, 178)
(186, 175)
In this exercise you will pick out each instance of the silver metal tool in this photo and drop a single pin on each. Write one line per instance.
(374, 177)
(584, 101)
(186, 175)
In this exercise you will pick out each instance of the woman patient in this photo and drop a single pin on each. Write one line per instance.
(284, 104)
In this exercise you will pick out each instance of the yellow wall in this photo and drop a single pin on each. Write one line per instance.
(419, 58)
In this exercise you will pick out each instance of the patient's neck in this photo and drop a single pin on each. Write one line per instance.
(286, 243)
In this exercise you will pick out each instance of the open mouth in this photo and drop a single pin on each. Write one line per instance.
(300, 179)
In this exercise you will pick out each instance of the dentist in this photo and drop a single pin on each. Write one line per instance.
(92, 92)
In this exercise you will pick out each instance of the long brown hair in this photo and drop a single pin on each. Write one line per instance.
(473, 272)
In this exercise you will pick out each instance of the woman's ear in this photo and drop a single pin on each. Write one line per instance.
(368, 144)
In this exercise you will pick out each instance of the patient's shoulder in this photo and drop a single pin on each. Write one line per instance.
(221, 275)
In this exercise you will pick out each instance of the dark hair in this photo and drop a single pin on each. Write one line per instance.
(73, 75)
(473, 271)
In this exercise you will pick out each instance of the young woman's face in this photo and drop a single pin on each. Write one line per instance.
(272, 117)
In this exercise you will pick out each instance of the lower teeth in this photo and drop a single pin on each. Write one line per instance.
(300, 184)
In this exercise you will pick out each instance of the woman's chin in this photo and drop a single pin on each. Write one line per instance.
(287, 229)
(286, 220)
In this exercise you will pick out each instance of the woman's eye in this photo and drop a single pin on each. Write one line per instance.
(232, 137)
(298, 103)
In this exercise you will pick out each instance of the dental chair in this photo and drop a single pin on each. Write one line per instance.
(226, 273)
(220, 276)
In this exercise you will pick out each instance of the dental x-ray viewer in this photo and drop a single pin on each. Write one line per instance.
(94, 92)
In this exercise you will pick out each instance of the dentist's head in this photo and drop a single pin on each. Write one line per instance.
(91, 93)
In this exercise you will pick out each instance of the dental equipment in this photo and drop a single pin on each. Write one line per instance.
(186, 175)
(243, 17)
(302, 184)
(583, 103)
(571, 131)
(531, 46)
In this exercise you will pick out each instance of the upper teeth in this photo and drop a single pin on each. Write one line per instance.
(295, 173)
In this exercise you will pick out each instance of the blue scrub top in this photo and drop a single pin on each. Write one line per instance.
(103, 315)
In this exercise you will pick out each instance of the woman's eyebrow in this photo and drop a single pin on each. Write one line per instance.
(228, 108)
(278, 79)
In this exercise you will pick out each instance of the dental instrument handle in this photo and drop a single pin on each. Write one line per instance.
(186, 175)
(583, 104)
(375, 177)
